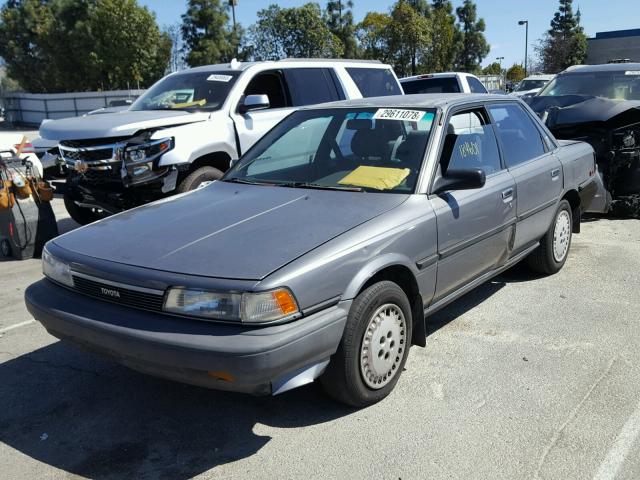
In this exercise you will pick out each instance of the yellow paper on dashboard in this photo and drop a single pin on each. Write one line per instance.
(380, 178)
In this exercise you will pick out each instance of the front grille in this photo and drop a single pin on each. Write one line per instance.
(120, 295)
(88, 155)
(91, 142)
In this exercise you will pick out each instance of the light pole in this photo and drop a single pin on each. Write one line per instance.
(502, 83)
(526, 42)
(500, 62)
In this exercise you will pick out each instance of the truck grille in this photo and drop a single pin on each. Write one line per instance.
(87, 155)
(129, 295)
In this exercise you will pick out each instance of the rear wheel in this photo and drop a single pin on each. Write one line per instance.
(83, 216)
(200, 177)
(374, 347)
(553, 251)
(5, 248)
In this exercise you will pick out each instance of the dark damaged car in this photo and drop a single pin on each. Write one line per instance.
(600, 104)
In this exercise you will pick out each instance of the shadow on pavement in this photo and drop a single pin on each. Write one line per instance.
(89, 417)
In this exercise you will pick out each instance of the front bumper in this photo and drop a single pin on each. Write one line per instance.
(257, 360)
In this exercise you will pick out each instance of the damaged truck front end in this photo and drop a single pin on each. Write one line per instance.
(605, 114)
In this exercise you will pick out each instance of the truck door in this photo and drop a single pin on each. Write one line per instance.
(536, 170)
(475, 227)
(287, 89)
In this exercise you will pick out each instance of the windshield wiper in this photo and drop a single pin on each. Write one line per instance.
(248, 182)
(320, 187)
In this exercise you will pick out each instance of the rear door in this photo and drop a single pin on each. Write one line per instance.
(535, 168)
(286, 89)
(475, 227)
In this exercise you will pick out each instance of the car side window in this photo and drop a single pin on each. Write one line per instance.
(374, 82)
(270, 83)
(475, 85)
(520, 138)
(309, 86)
(470, 143)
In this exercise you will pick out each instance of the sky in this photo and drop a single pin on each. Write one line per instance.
(506, 37)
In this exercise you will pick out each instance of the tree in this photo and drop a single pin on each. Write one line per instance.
(67, 45)
(515, 73)
(397, 38)
(439, 56)
(293, 32)
(492, 69)
(474, 46)
(565, 43)
(206, 33)
(339, 19)
(127, 47)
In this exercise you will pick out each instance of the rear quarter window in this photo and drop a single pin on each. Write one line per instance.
(374, 82)
(431, 85)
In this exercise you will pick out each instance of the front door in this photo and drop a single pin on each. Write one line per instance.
(475, 227)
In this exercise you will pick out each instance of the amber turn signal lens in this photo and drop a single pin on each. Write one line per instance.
(285, 301)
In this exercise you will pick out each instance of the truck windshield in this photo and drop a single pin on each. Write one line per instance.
(193, 91)
(355, 149)
(618, 85)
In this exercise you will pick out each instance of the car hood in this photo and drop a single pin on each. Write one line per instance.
(565, 110)
(228, 230)
(117, 124)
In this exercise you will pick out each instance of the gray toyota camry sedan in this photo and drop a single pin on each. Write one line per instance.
(323, 250)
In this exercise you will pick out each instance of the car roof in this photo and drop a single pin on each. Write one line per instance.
(285, 63)
(423, 100)
(436, 75)
(606, 67)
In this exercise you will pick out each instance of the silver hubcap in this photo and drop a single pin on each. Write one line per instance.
(383, 346)
(561, 236)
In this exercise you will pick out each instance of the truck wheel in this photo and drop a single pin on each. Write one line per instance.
(83, 216)
(200, 177)
(373, 349)
(553, 251)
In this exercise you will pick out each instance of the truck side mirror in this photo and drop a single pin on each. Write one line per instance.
(467, 179)
(254, 102)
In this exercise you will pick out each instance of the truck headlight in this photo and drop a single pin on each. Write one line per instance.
(262, 307)
(140, 157)
(56, 269)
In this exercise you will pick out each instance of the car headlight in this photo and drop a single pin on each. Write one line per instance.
(262, 307)
(139, 158)
(56, 269)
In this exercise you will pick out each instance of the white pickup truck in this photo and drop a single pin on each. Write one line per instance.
(187, 128)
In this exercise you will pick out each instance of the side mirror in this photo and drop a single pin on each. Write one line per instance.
(254, 102)
(460, 180)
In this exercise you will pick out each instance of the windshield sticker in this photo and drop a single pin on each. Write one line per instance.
(219, 78)
(399, 114)
(632, 72)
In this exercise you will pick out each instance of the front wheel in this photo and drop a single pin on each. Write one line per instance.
(81, 215)
(374, 347)
(553, 251)
(200, 177)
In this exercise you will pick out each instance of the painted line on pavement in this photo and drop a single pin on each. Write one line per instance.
(17, 325)
(618, 452)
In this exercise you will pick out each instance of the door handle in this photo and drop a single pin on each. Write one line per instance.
(507, 194)
(555, 173)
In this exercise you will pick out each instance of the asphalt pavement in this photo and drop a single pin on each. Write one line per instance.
(525, 378)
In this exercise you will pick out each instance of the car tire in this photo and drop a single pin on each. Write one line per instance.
(197, 178)
(81, 215)
(5, 248)
(358, 374)
(553, 251)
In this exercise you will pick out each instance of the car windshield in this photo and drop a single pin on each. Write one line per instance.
(192, 91)
(355, 149)
(619, 85)
(530, 85)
